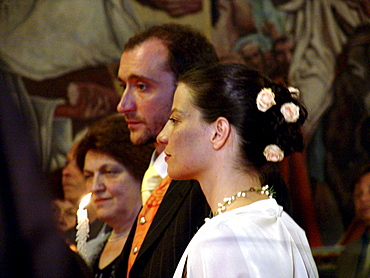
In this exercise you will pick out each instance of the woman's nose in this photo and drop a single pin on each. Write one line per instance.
(162, 137)
(97, 183)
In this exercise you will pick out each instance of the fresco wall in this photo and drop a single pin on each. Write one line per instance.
(60, 60)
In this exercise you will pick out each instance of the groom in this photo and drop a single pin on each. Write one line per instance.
(149, 68)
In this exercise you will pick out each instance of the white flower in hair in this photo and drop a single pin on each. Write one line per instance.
(294, 92)
(265, 99)
(273, 153)
(290, 112)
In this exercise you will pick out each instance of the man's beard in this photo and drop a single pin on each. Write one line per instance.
(145, 139)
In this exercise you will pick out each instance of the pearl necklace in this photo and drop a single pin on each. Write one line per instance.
(242, 194)
(115, 237)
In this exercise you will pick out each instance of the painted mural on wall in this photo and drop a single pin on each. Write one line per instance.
(60, 57)
(300, 43)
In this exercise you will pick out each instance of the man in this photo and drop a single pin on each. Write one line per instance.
(150, 65)
(355, 259)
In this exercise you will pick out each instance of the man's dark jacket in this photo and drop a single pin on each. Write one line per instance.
(179, 216)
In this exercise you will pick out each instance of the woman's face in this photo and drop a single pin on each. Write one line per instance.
(65, 214)
(186, 137)
(115, 192)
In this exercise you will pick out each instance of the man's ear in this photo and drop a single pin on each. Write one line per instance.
(221, 132)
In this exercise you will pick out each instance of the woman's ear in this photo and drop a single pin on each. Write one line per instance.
(221, 132)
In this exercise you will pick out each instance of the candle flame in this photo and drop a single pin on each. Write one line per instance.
(85, 200)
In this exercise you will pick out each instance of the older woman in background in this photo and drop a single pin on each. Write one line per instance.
(113, 168)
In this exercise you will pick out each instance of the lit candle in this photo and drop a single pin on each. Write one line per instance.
(82, 226)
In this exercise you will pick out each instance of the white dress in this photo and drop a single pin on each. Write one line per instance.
(258, 240)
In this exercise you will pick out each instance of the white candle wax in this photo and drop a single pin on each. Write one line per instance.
(82, 226)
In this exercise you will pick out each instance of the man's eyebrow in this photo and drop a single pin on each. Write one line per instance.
(136, 76)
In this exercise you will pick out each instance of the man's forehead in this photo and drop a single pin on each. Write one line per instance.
(145, 65)
(155, 53)
(148, 74)
(151, 47)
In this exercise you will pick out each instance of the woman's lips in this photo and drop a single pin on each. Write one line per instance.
(99, 201)
(167, 157)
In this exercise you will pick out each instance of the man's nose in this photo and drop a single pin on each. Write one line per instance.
(127, 102)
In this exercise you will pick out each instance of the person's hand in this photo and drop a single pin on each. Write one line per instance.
(175, 8)
(88, 101)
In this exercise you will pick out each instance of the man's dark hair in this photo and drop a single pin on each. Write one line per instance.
(188, 48)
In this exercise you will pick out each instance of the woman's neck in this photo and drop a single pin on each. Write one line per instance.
(123, 221)
(226, 183)
(223, 177)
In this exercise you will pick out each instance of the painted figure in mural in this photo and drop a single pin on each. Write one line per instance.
(318, 46)
(45, 62)
(282, 52)
(348, 118)
(253, 55)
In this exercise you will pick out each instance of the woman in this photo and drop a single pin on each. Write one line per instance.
(113, 168)
(64, 213)
(228, 126)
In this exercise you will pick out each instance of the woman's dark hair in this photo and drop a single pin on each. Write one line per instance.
(111, 136)
(230, 91)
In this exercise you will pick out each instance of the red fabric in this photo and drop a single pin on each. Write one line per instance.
(294, 172)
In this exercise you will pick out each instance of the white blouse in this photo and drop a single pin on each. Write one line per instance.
(258, 240)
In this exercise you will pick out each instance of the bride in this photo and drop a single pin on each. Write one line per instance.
(229, 125)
